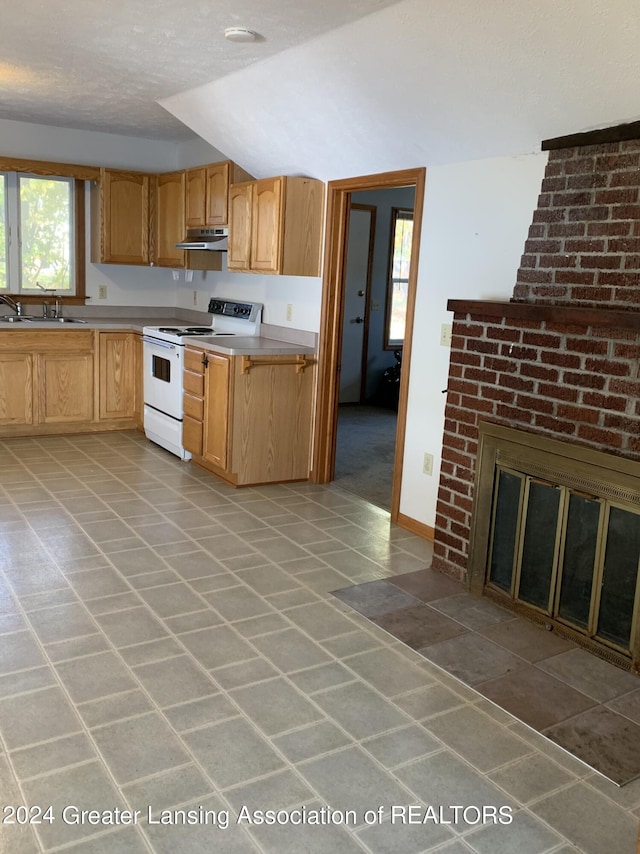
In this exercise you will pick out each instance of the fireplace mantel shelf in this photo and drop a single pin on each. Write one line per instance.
(585, 316)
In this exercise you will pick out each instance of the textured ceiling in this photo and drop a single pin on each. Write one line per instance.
(103, 66)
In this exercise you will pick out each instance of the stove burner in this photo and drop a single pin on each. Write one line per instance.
(199, 330)
(173, 329)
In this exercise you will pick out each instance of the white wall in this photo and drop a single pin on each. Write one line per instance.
(303, 293)
(476, 220)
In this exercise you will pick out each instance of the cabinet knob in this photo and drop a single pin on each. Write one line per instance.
(205, 359)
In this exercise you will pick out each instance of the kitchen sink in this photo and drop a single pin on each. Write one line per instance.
(61, 320)
(13, 318)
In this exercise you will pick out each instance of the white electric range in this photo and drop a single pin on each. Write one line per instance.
(163, 356)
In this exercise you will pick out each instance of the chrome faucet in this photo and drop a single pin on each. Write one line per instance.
(16, 306)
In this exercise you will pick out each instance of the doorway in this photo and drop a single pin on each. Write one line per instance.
(339, 203)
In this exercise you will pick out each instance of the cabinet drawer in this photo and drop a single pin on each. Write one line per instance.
(193, 361)
(193, 383)
(192, 435)
(193, 407)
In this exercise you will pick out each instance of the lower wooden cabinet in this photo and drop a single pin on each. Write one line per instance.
(118, 370)
(16, 383)
(249, 419)
(65, 387)
(64, 381)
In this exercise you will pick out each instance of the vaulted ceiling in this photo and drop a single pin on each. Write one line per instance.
(103, 66)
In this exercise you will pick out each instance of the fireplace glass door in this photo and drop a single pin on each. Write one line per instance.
(566, 554)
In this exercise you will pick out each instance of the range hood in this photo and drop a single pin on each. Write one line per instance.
(212, 239)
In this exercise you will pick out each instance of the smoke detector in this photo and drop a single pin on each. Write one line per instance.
(239, 34)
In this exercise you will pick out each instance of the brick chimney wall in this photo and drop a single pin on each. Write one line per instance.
(538, 364)
(584, 243)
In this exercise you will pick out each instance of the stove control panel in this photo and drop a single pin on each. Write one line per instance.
(231, 308)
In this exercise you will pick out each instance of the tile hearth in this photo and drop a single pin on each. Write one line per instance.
(168, 641)
(584, 704)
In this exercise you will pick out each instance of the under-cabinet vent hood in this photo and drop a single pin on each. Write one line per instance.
(212, 239)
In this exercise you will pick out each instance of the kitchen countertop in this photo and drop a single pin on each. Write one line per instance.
(237, 345)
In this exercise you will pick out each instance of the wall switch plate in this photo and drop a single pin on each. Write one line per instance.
(375, 305)
(427, 464)
(446, 333)
(102, 291)
(289, 311)
(176, 275)
(188, 275)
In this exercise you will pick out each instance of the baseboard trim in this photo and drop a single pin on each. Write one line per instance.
(419, 528)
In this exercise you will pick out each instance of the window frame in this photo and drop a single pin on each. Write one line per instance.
(80, 174)
(396, 214)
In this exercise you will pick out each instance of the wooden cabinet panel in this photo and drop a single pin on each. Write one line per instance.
(66, 387)
(217, 201)
(217, 410)
(196, 190)
(16, 385)
(271, 437)
(208, 193)
(192, 429)
(266, 225)
(120, 218)
(118, 374)
(169, 219)
(276, 226)
(239, 253)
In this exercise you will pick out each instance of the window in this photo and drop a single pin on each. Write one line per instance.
(399, 264)
(39, 234)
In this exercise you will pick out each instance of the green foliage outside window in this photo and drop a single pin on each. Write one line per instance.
(45, 230)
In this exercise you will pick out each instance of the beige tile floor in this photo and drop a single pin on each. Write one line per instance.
(171, 643)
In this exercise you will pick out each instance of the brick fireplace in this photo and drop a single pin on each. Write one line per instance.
(561, 359)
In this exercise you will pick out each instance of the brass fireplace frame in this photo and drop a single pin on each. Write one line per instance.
(605, 476)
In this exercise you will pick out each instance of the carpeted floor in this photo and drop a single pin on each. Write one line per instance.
(365, 450)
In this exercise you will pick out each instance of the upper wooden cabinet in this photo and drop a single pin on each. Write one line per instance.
(207, 202)
(168, 219)
(120, 218)
(276, 226)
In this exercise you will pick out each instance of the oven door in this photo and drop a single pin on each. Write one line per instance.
(162, 376)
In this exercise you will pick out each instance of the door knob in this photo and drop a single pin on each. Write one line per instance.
(358, 320)
(360, 293)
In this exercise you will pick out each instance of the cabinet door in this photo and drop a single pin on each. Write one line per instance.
(117, 375)
(239, 254)
(218, 194)
(66, 387)
(217, 411)
(16, 389)
(196, 197)
(125, 217)
(169, 227)
(267, 211)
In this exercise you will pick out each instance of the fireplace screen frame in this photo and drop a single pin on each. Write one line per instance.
(574, 470)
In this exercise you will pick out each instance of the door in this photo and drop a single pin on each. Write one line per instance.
(117, 374)
(338, 199)
(239, 254)
(216, 410)
(353, 361)
(126, 217)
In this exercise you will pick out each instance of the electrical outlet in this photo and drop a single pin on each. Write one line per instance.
(195, 297)
(102, 291)
(176, 275)
(188, 275)
(375, 305)
(446, 332)
(289, 311)
(427, 464)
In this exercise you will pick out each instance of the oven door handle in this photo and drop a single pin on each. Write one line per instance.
(157, 343)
